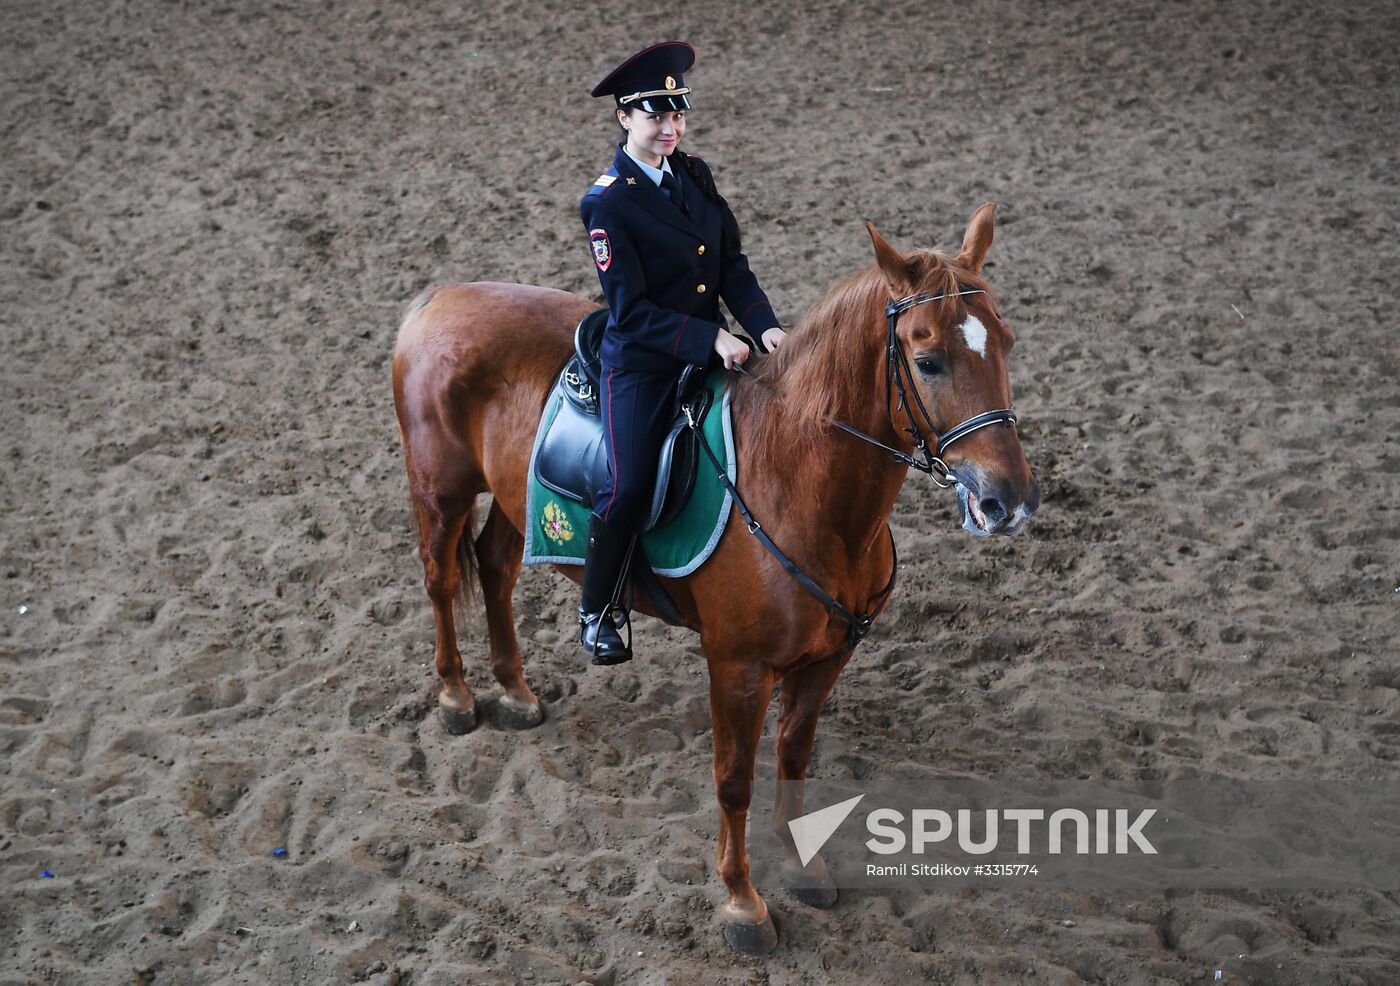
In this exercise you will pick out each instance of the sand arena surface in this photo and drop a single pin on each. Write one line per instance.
(210, 218)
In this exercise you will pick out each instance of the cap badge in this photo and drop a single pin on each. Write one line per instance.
(670, 82)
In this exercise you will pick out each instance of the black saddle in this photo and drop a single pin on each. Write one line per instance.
(572, 461)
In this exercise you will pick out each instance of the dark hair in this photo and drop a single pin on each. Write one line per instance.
(706, 183)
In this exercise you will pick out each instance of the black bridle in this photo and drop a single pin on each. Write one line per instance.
(897, 375)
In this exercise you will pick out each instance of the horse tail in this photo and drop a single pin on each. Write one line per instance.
(467, 564)
(468, 568)
(419, 300)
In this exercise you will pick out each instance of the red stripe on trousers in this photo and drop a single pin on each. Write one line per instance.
(612, 444)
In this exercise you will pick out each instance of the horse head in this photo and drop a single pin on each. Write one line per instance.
(948, 368)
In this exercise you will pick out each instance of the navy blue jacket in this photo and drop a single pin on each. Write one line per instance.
(663, 272)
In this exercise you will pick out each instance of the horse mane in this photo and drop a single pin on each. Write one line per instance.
(824, 370)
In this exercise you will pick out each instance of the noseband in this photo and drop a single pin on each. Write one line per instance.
(897, 375)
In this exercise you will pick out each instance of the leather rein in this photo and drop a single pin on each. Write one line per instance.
(899, 378)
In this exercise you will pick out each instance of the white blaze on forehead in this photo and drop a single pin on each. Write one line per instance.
(975, 334)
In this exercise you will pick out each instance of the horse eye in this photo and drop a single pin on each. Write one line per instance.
(930, 366)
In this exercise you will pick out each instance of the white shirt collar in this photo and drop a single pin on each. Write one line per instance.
(653, 173)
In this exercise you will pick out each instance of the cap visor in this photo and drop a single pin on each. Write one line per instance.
(662, 104)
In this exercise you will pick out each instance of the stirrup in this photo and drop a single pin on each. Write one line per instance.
(618, 653)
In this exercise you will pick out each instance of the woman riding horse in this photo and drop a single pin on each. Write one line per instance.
(904, 364)
(667, 250)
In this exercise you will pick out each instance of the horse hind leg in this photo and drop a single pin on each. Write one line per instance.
(499, 552)
(447, 570)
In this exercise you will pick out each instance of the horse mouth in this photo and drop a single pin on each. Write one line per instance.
(973, 520)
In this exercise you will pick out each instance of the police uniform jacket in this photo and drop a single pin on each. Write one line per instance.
(664, 272)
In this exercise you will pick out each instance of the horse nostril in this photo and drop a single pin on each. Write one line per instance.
(993, 509)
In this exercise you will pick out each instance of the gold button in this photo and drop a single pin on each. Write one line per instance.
(702, 248)
(701, 289)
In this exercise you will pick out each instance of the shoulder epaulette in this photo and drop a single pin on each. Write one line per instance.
(602, 184)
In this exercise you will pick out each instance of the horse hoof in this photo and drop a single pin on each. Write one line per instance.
(519, 716)
(822, 895)
(457, 723)
(813, 889)
(751, 939)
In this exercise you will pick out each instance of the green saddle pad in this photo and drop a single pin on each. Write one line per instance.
(556, 527)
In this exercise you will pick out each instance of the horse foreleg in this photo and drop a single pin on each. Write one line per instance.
(499, 551)
(440, 533)
(804, 692)
(739, 695)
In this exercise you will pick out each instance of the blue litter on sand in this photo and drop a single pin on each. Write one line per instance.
(46, 875)
(279, 852)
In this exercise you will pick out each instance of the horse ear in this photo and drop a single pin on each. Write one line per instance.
(890, 262)
(978, 238)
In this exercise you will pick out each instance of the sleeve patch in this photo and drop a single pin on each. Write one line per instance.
(602, 249)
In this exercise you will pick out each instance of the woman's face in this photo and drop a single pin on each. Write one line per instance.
(653, 134)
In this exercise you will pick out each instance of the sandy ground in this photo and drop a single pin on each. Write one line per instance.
(210, 218)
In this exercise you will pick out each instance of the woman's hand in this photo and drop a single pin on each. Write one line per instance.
(731, 348)
(773, 338)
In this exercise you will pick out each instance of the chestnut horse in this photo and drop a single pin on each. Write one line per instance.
(472, 368)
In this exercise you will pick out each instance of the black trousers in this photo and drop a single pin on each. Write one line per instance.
(638, 409)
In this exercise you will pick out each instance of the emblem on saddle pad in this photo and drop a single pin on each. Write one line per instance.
(556, 526)
(602, 249)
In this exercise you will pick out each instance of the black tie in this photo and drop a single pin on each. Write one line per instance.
(672, 188)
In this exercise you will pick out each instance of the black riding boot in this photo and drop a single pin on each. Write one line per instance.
(607, 551)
